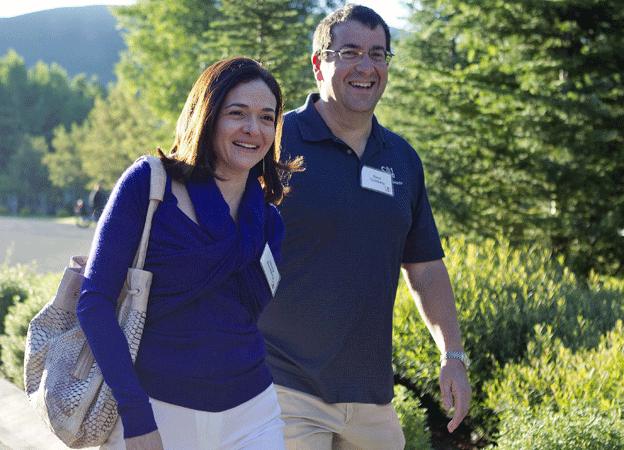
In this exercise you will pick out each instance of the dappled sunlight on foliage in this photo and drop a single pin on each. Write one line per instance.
(503, 295)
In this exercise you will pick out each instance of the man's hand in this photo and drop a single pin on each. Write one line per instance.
(149, 441)
(455, 391)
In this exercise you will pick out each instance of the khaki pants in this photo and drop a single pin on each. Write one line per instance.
(312, 424)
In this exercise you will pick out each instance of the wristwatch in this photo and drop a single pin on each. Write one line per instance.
(462, 356)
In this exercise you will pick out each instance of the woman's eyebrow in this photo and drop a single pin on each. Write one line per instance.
(243, 105)
(240, 105)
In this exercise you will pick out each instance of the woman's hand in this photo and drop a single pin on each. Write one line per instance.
(149, 441)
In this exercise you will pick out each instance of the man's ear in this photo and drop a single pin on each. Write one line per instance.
(316, 67)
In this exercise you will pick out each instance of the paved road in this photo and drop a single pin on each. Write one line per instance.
(20, 427)
(48, 243)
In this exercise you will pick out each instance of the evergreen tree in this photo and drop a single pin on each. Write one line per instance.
(171, 42)
(166, 50)
(13, 87)
(517, 110)
(274, 32)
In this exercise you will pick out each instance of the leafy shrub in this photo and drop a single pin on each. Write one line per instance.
(15, 286)
(577, 429)
(501, 295)
(554, 376)
(607, 283)
(13, 341)
(413, 419)
(34, 291)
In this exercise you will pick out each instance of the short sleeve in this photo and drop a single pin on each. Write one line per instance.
(423, 240)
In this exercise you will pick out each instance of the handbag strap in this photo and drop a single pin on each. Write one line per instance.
(158, 178)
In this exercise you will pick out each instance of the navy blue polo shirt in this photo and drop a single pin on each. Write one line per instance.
(328, 331)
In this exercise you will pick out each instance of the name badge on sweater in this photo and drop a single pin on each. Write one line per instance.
(377, 180)
(270, 269)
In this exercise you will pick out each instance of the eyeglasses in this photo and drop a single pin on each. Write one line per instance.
(353, 55)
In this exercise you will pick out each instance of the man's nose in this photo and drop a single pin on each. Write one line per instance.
(365, 64)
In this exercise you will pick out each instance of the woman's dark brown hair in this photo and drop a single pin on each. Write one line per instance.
(192, 155)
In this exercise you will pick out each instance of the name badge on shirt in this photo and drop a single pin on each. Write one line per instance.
(270, 269)
(377, 180)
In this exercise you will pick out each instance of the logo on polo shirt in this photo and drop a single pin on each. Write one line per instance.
(391, 172)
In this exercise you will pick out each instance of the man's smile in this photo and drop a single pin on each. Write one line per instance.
(361, 84)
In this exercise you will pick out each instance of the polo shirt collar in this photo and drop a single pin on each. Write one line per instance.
(314, 129)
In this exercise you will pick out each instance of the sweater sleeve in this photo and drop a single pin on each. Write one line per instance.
(114, 245)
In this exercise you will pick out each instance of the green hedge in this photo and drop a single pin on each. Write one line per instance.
(501, 295)
(413, 419)
(554, 376)
(582, 428)
(13, 341)
(15, 287)
(27, 292)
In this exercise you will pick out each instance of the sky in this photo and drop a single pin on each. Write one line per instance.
(392, 12)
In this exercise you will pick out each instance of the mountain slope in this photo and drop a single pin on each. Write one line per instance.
(82, 40)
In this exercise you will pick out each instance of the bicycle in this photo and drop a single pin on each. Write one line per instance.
(82, 218)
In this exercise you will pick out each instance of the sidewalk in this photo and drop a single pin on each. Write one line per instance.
(20, 427)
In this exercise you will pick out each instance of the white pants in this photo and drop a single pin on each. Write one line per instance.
(253, 425)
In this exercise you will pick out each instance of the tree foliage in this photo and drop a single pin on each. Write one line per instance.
(171, 42)
(166, 50)
(33, 102)
(25, 176)
(119, 129)
(517, 109)
(276, 34)
(64, 164)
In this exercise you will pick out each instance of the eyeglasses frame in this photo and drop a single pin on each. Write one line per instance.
(361, 53)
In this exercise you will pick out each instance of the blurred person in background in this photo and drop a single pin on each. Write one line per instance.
(97, 200)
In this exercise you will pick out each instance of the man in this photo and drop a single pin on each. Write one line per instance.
(97, 201)
(355, 216)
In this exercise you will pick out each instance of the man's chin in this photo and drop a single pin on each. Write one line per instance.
(362, 107)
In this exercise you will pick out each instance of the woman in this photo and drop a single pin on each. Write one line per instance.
(199, 380)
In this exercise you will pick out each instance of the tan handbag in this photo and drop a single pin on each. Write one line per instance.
(61, 378)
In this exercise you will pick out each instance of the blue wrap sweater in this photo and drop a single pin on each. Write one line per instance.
(201, 347)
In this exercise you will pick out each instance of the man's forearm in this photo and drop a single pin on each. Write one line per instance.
(431, 289)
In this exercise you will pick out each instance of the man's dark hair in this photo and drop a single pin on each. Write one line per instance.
(324, 33)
